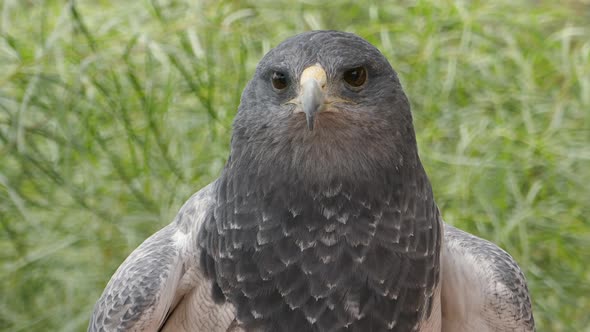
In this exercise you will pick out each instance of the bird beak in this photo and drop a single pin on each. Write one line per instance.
(312, 92)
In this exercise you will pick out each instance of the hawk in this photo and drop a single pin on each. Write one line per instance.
(323, 219)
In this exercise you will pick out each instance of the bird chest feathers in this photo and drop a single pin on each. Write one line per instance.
(346, 257)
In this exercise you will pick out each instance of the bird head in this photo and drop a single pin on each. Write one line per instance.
(325, 100)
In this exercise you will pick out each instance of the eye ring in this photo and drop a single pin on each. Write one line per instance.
(279, 80)
(355, 77)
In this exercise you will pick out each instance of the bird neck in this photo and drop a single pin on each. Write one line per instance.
(260, 195)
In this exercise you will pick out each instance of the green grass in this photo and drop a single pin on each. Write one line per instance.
(113, 113)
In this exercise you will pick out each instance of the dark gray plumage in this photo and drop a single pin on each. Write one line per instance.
(310, 225)
(322, 220)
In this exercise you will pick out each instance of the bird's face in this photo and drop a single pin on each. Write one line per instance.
(323, 72)
(325, 95)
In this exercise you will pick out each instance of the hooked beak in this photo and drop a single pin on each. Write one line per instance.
(312, 92)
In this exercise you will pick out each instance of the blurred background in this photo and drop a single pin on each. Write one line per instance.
(112, 113)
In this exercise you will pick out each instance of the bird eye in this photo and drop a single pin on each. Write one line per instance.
(279, 80)
(355, 77)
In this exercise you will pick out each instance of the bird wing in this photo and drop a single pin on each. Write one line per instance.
(483, 289)
(160, 286)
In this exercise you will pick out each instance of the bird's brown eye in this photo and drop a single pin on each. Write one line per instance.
(355, 77)
(279, 80)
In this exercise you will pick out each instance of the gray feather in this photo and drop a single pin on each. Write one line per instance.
(160, 279)
(483, 288)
